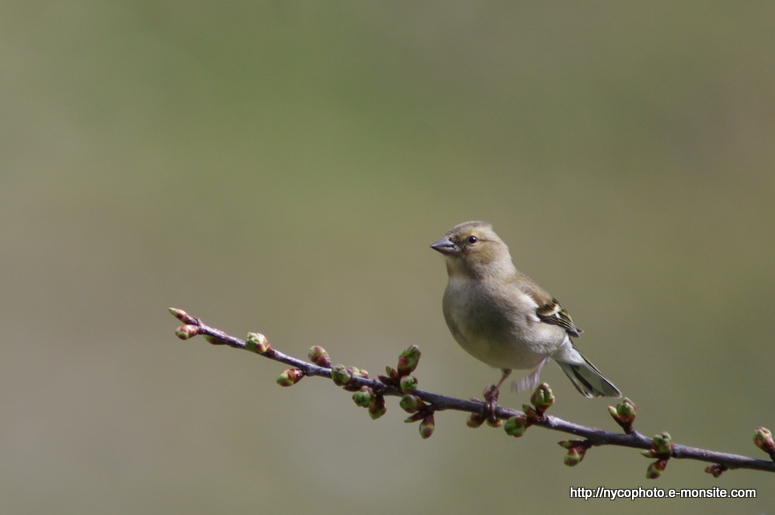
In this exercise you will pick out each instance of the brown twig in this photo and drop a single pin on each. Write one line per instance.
(658, 447)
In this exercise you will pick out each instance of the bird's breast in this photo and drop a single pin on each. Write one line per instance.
(498, 326)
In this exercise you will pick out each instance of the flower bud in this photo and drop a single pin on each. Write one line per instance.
(414, 417)
(340, 375)
(185, 332)
(319, 356)
(408, 360)
(377, 408)
(516, 426)
(183, 316)
(475, 420)
(655, 469)
(716, 469)
(624, 414)
(427, 426)
(363, 397)
(392, 374)
(290, 377)
(408, 384)
(257, 342)
(762, 438)
(626, 410)
(411, 403)
(495, 422)
(542, 398)
(575, 455)
(662, 443)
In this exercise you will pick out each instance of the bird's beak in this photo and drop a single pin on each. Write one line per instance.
(446, 246)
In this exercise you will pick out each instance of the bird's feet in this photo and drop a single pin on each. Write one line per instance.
(491, 394)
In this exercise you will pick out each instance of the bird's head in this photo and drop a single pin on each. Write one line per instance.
(473, 249)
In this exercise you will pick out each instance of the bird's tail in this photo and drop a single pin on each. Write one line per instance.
(588, 380)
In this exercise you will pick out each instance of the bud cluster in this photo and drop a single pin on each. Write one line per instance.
(662, 448)
(542, 399)
(517, 425)
(400, 377)
(624, 414)
(577, 449)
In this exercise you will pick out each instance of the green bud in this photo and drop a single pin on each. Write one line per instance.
(627, 411)
(495, 422)
(411, 403)
(762, 437)
(655, 469)
(624, 414)
(408, 384)
(716, 469)
(185, 332)
(542, 398)
(354, 372)
(414, 417)
(319, 356)
(427, 426)
(358, 372)
(363, 397)
(377, 408)
(290, 377)
(257, 343)
(408, 360)
(531, 414)
(340, 375)
(574, 456)
(475, 420)
(663, 443)
(183, 316)
(392, 373)
(649, 453)
(516, 426)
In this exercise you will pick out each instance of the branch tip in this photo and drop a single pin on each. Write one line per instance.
(762, 438)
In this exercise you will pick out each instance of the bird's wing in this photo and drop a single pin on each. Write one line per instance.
(549, 310)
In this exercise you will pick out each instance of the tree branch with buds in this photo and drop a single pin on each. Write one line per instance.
(421, 405)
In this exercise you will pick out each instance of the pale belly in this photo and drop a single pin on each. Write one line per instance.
(500, 338)
(511, 350)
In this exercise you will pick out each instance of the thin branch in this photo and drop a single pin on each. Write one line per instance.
(660, 447)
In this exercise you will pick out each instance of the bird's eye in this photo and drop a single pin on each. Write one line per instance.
(472, 239)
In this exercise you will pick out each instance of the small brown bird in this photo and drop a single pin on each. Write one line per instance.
(503, 318)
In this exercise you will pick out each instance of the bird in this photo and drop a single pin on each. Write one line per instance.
(505, 319)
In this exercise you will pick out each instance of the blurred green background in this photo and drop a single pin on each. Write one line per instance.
(282, 166)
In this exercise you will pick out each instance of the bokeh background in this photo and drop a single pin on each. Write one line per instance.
(282, 166)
